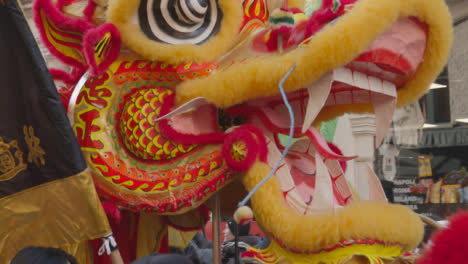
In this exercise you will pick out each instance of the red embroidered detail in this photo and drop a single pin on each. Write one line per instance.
(95, 93)
(146, 70)
(255, 14)
(137, 179)
(167, 201)
(84, 134)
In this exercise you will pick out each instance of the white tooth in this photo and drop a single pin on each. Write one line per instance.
(375, 84)
(360, 80)
(282, 173)
(384, 107)
(339, 178)
(343, 75)
(376, 192)
(318, 95)
(323, 199)
(389, 89)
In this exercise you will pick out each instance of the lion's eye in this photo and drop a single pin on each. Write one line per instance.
(180, 21)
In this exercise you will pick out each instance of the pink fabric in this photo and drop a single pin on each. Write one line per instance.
(405, 39)
(185, 138)
(303, 177)
(201, 121)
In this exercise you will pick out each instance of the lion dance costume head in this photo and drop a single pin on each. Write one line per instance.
(175, 100)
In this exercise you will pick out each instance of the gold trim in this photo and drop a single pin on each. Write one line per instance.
(10, 164)
(36, 153)
(54, 214)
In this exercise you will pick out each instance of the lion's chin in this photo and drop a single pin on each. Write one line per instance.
(375, 229)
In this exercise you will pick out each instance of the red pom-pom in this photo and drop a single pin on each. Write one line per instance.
(240, 149)
(450, 244)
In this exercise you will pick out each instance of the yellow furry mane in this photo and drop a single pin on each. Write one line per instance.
(334, 46)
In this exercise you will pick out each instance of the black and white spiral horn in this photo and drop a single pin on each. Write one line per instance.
(180, 21)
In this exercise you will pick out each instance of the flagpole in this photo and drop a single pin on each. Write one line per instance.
(216, 229)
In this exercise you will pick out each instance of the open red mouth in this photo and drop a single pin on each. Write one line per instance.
(372, 78)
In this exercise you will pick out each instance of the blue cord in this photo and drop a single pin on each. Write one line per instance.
(288, 144)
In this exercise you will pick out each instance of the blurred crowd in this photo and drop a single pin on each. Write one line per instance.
(198, 251)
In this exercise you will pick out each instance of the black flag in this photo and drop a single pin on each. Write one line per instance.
(47, 197)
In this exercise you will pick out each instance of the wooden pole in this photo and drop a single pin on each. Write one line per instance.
(430, 222)
(216, 229)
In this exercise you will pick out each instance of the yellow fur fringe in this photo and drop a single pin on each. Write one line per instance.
(361, 219)
(371, 254)
(333, 47)
(119, 14)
